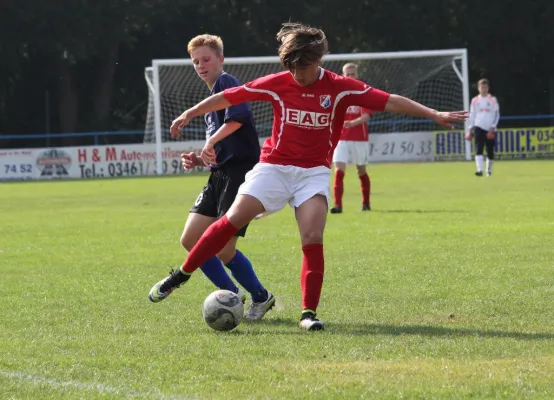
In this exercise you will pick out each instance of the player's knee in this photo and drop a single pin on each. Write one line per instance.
(238, 219)
(311, 236)
(244, 209)
(187, 242)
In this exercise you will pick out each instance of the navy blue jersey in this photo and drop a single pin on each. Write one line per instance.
(243, 144)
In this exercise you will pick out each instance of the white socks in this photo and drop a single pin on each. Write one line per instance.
(479, 162)
(489, 166)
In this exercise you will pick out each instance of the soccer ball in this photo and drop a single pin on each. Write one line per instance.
(223, 310)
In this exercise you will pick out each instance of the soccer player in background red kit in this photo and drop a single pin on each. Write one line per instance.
(352, 148)
(309, 104)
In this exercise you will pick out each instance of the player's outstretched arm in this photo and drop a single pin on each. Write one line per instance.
(402, 105)
(212, 103)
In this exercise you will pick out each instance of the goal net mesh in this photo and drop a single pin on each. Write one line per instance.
(429, 80)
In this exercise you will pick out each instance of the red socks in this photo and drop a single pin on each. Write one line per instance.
(339, 187)
(212, 242)
(221, 231)
(311, 276)
(366, 188)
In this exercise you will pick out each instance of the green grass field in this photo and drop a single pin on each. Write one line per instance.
(444, 290)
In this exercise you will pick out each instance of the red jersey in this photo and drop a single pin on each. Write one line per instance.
(358, 133)
(307, 120)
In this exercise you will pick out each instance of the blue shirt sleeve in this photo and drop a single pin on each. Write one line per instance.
(238, 113)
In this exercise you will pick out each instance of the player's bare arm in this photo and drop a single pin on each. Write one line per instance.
(191, 160)
(212, 103)
(358, 121)
(402, 105)
(208, 153)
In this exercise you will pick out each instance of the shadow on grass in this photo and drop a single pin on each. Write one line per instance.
(290, 327)
(270, 326)
(430, 330)
(273, 322)
(420, 211)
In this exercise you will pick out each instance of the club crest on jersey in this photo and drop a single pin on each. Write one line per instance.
(325, 100)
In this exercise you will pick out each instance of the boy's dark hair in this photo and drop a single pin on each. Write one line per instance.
(484, 81)
(301, 45)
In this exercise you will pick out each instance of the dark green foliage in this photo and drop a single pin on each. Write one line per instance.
(88, 57)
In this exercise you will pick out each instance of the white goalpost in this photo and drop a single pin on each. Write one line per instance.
(436, 78)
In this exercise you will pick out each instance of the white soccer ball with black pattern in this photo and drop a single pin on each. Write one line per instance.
(223, 310)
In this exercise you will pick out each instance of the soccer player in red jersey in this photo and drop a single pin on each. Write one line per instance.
(352, 148)
(309, 104)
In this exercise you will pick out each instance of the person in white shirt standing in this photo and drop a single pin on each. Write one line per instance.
(484, 114)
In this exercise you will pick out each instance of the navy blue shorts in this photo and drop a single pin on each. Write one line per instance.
(220, 192)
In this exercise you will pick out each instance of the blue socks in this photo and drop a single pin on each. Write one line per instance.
(214, 271)
(242, 270)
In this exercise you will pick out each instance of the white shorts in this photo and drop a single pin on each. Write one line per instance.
(351, 152)
(276, 185)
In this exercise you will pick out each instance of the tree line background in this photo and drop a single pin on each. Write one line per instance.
(78, 65)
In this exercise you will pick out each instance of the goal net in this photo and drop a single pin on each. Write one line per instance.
(436, 78)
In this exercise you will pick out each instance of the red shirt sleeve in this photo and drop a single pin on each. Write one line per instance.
(256, 90)
(374, 99)
(366, 96)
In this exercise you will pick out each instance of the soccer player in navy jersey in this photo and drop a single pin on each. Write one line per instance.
(309, 106)
(235, 153)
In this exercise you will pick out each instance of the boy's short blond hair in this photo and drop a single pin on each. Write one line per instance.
(483, 81)
(212, 41)
(349, 65)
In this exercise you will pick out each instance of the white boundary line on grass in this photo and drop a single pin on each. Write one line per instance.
(93, 387)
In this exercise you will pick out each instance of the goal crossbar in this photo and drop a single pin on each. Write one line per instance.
(152, 75)
(328, 57)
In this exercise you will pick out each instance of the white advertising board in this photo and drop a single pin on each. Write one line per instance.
(140, 159)
(400, 147)
(92, 161)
